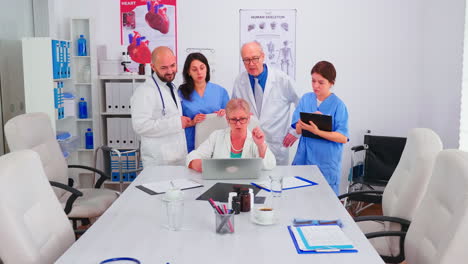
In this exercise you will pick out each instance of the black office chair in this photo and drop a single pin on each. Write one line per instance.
(372, 165)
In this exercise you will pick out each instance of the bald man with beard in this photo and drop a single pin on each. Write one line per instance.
(157, 113)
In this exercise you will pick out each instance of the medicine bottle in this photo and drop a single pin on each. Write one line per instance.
(82, 109)
(236, 204)
(89, 139)
(245, 200)
(82, 50)
(141, 69)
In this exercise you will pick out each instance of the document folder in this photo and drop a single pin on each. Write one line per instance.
(323, 239)
(323, 122)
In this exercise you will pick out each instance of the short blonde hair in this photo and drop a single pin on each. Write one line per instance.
(236, 104)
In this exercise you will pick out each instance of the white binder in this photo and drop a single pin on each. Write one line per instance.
(116, 97)
(113, 132)
(130, 134)
(124, 143)
(124, 97)
(109, 97)
(126, 90)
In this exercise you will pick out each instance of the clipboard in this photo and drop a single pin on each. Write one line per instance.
(219, 192)
(320, 250)
(307, 183)
(161, 187)
(323, 122)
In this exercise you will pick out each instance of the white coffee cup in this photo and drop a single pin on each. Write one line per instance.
(265, 215)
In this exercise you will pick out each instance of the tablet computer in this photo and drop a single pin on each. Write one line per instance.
(323, 122)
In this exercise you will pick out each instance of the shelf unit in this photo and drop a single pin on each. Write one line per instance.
(84, 72)
(134, 81)
(38, 77)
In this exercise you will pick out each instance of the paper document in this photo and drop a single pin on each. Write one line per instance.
(288, 183)
(163, 186)
(321, 239)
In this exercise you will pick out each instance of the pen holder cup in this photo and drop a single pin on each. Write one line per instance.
(224, 223)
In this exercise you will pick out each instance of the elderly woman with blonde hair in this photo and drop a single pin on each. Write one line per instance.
(236, 141)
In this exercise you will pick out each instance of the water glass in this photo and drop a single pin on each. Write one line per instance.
(276, 185)
(175, 213)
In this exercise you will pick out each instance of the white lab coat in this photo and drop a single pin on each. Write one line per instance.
(162, 136)
(218, 146)
(275, 120)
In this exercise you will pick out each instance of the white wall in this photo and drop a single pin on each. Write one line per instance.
(377, 46)
(442, 68)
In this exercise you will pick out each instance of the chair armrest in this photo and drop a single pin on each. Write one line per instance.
(74, 194)
(403, 222)
(358, 148)
(351, 194)
(102, 178)
(401, 234)
(391, 259)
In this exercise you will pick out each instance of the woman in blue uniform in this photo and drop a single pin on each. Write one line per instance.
(325, 153)
(199, 96)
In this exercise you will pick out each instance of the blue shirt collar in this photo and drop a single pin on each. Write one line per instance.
(262, 78)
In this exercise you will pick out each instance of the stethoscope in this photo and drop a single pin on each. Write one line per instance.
(136, 261)
(160, 95)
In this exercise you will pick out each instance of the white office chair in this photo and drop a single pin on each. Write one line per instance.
(214, 122)
(404, 192)
(438, 233)
(34, 131)
(33, 226)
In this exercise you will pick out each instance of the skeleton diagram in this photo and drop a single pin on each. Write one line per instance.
(286, 57)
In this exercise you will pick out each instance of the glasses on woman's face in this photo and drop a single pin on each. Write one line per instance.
(241, 120)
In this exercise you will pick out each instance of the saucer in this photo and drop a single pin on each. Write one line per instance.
(272, 222)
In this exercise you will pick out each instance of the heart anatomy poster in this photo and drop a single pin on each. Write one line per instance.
(146, 25)
(275, 30)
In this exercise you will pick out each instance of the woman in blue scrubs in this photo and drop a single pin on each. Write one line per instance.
(199, 96)
(325, 153)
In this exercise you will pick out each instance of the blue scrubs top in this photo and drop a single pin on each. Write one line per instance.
(214, 98)
(321, 152)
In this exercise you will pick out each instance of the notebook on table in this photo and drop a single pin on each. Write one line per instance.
(231, 169)
(323, 122)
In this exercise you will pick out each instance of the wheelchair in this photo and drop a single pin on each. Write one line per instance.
(372, 165)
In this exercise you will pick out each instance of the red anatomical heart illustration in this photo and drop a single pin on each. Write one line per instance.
(157, 17)
(138, 48)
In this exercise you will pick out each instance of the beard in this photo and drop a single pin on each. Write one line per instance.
(166, 77)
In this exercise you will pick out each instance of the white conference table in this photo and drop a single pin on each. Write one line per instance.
(134, 227)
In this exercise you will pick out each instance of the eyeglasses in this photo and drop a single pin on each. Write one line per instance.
(254, 60)
(241, 120)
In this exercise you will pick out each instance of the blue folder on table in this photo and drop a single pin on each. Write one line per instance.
(317, 249)
(305, 183)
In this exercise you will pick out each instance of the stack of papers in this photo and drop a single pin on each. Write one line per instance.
(288, 183)
(162, 186)
(320, 239)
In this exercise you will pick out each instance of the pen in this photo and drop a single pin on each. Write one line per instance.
(299, 222)
(231, 228)
(213, 204)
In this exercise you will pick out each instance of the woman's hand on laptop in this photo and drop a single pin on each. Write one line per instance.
(196, 165)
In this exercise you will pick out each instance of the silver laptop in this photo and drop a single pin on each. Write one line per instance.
(220, 169)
